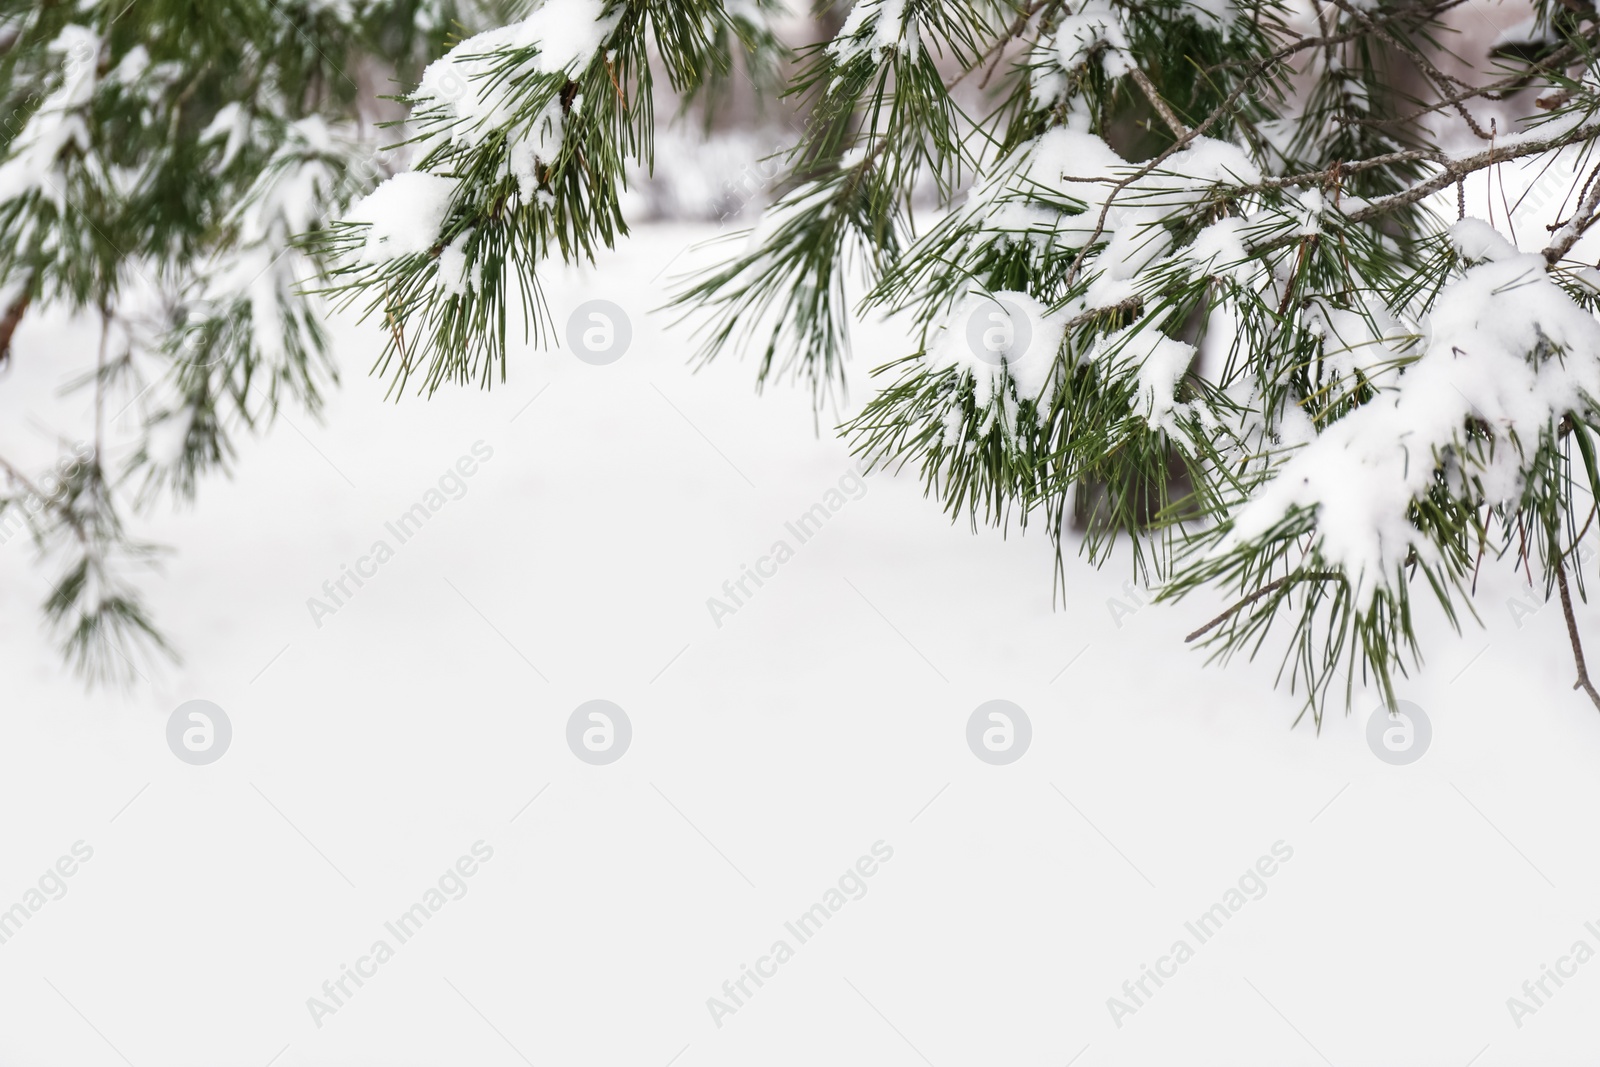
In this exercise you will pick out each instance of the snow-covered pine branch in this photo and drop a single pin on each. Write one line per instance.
(1202, 264)
(161, 162)
(523, 137)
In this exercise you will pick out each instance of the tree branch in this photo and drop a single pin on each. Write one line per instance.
(1577, 225)
(1162, 107)
(1455, 169)
(13, 319)
(1572, 632)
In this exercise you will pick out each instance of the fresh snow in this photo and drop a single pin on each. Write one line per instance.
(892, 30)
(473, 102)
(1507, 347)
(563, 36)
(1160, 365)
(994, 337)
(406, 214)
(1095, 26)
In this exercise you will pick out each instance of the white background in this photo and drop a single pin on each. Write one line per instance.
(768, 755)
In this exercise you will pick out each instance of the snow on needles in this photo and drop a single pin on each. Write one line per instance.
(1096, 27)
(1036, 203)
(1066, 164)
(57, 123)
(1097, 31)
(1507, 348)
(1160, 364)
(406, 215)
(1504, 349)
(475, 100)
(996, 336)
(891, 28)
(565, 35)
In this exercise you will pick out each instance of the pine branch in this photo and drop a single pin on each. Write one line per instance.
(1456, 168)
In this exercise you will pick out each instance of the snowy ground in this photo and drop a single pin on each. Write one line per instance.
(430, 712)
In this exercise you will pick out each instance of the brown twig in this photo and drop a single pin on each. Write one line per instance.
(1162, 107)
(1442, 81)
(1547, 64)
(13, 319)
(1582, 218)
(1572, 632)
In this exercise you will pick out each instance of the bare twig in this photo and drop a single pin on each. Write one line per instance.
(1582, 218)
(1572, 632)
(13, 319)
(1463, 165)
(1442, 81)
(1162, 107)
(21, 479)
(1548, 64)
